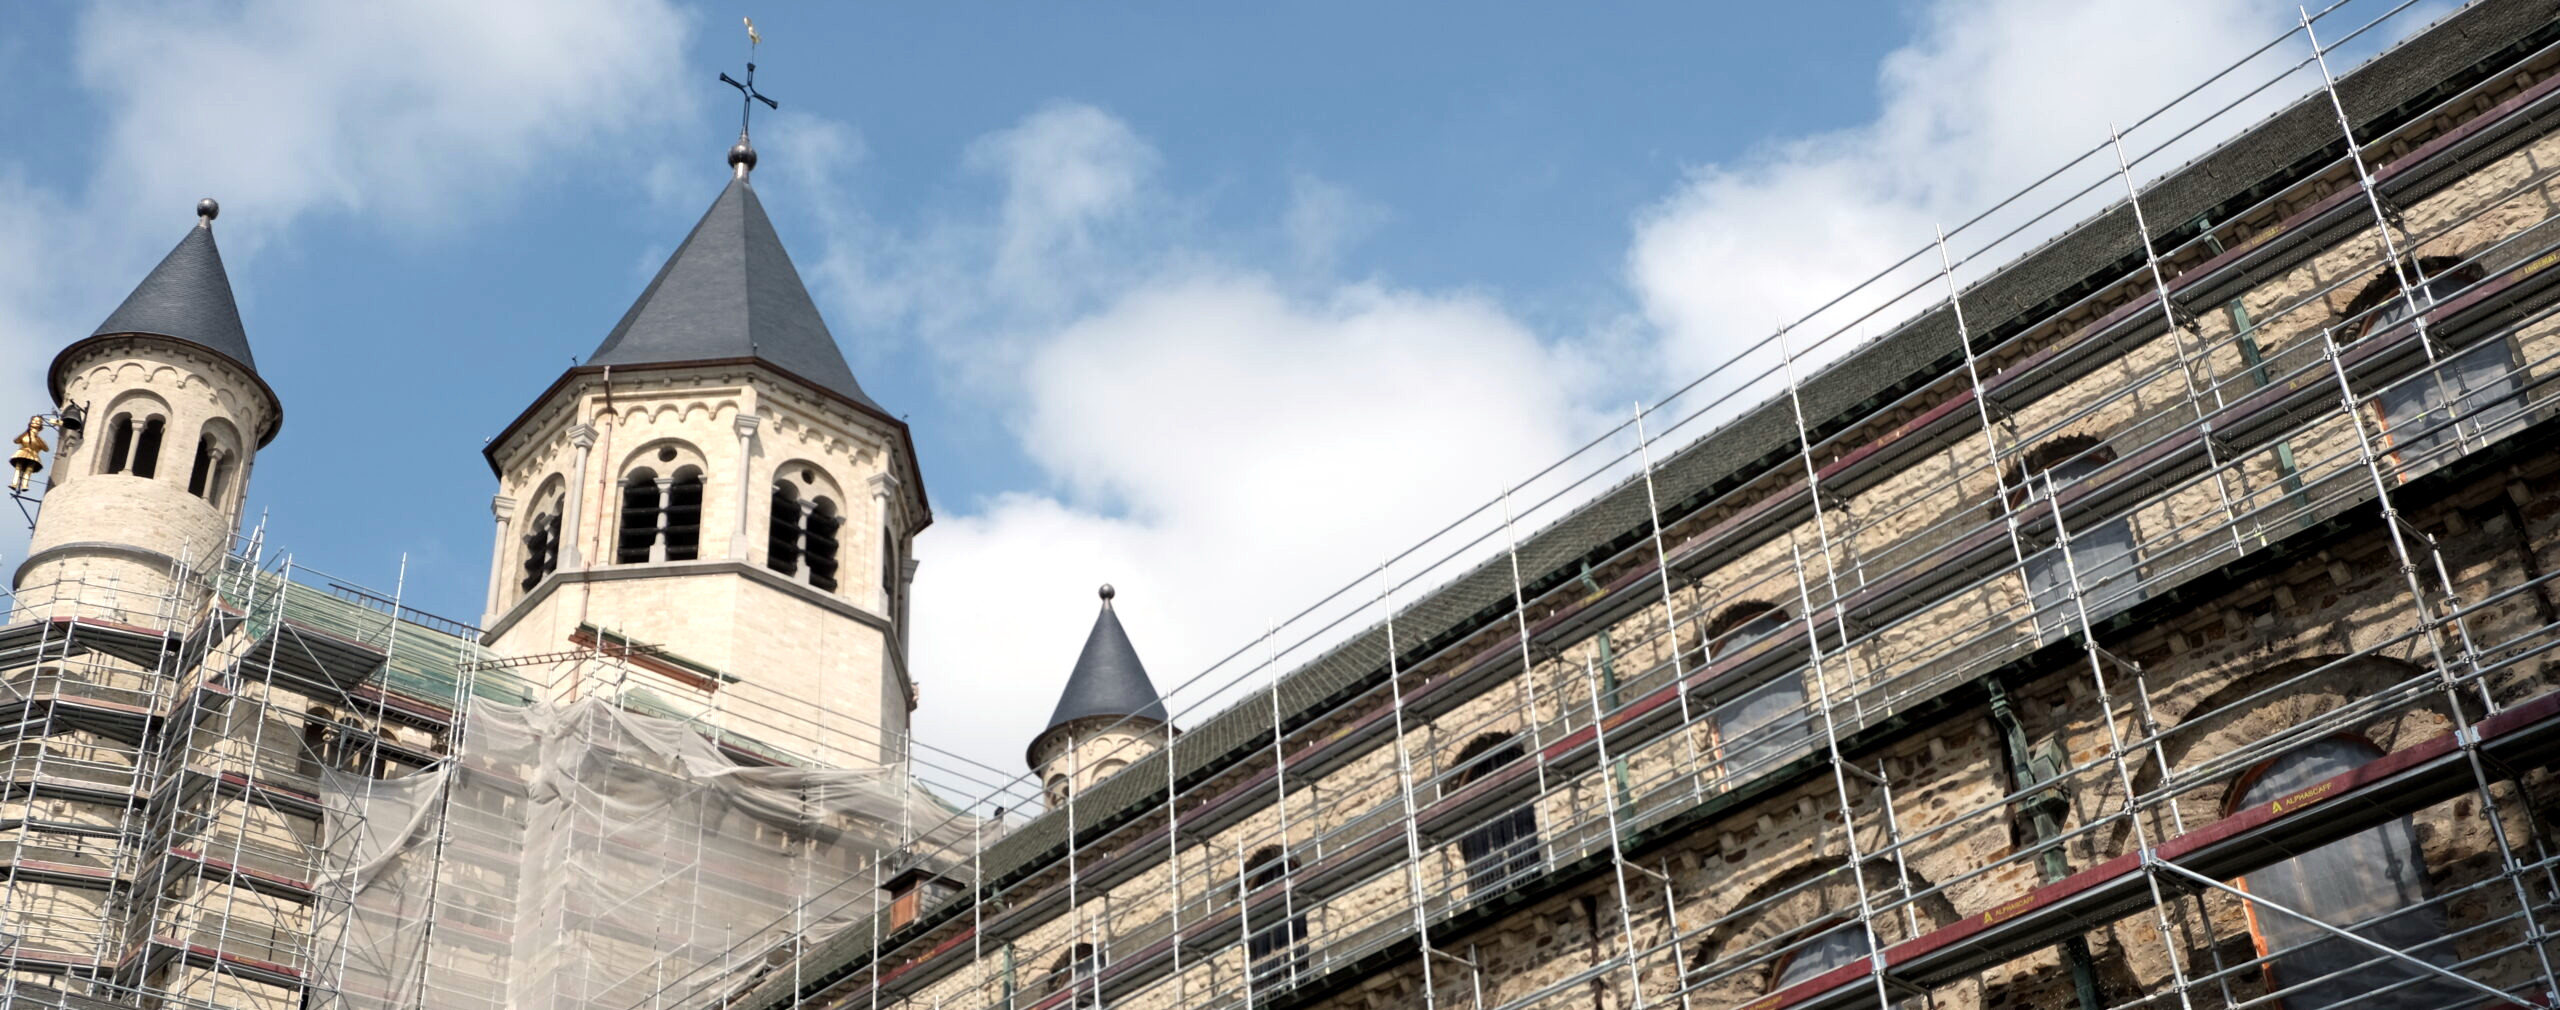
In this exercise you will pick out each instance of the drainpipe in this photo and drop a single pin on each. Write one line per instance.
(1609, 692)
(2045, 806)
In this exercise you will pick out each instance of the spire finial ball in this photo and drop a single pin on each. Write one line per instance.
(1107, 592)
(208, 209)
(742, 156)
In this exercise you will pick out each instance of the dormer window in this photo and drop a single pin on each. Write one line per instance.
(661, 517)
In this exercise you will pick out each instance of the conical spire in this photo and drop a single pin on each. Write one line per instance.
(1108, 679)
(186, 298)
(730, 292)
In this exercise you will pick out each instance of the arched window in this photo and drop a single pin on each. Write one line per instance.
(1077, 968)
(2471, 396)
(1057, 791)
(211, 473)
(2373, 883)
(1765, 721)
(2102, 552)
(661, 517)
(1505, 847)
(133, 446)
(1825, 947)
(637, 535)
(782, 538)
(683, 508)
(800, 537)
(818, 544)
(146, 447)
(1106, 769)
(119, 443)
(1280, 930)
(541, 547)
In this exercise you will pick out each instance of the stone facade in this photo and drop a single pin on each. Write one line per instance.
(1875, 709)
(772, 643)
(105, 522)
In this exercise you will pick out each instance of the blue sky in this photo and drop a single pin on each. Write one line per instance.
(1219, 302)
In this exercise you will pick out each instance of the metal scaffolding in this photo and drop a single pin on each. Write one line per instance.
(2113, 469)
(164, 841)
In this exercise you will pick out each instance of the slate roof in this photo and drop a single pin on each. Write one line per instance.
(731, 292)
(1108, 679)
(186, 298)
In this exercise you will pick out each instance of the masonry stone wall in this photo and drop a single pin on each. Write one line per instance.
(787, 641)
(2218, 682)
(105, 542)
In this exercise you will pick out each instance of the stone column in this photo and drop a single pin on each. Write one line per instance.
(658, 539)
(745, 425)
(571, 517)
(504, 508)
(883, 488)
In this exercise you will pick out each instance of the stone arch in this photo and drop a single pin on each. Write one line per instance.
(663, 455)
(804, 518)
(2215, 743)
(535, 553)
(1741, 958)
(135, 420)
(2211, 741)
(218, 457)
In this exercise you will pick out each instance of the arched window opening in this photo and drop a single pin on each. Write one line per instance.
(1824, 948)
(1505, 847)
(2102, 556)
(207, 477)
(541, 547)
(2372, 883)
(1106, 769)
(661, 517)
(1280, 929)
(119, 443)
(800, 539)
(2469, 397)
(1077, 968)
(1768, 720)
(683, 507)
(1057, 791)
(146, 448)
(818, 544)
(1740, 625)
(782, 538)
(638, 530)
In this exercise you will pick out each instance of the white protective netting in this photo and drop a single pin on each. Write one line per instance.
(587, 856)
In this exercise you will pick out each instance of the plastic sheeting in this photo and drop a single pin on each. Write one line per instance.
(585, 856)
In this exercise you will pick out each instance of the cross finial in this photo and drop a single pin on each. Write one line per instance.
(742, 158)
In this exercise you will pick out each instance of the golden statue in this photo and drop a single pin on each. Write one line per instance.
(30, 455)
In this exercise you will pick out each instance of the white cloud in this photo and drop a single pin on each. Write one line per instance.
(1227, 454)
(401, 111)
(1984, 100)
(1226, 447)
(416, 115)
(1324, 219)
(1220, 445)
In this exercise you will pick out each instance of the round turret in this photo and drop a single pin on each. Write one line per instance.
(170, 412)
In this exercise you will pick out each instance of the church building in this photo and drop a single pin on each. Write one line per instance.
(2162, 618)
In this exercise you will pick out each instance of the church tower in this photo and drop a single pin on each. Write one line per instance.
(713, 485)
(162, 412)
(1108, 716)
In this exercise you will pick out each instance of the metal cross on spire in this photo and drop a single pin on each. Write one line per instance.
(743, 156)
